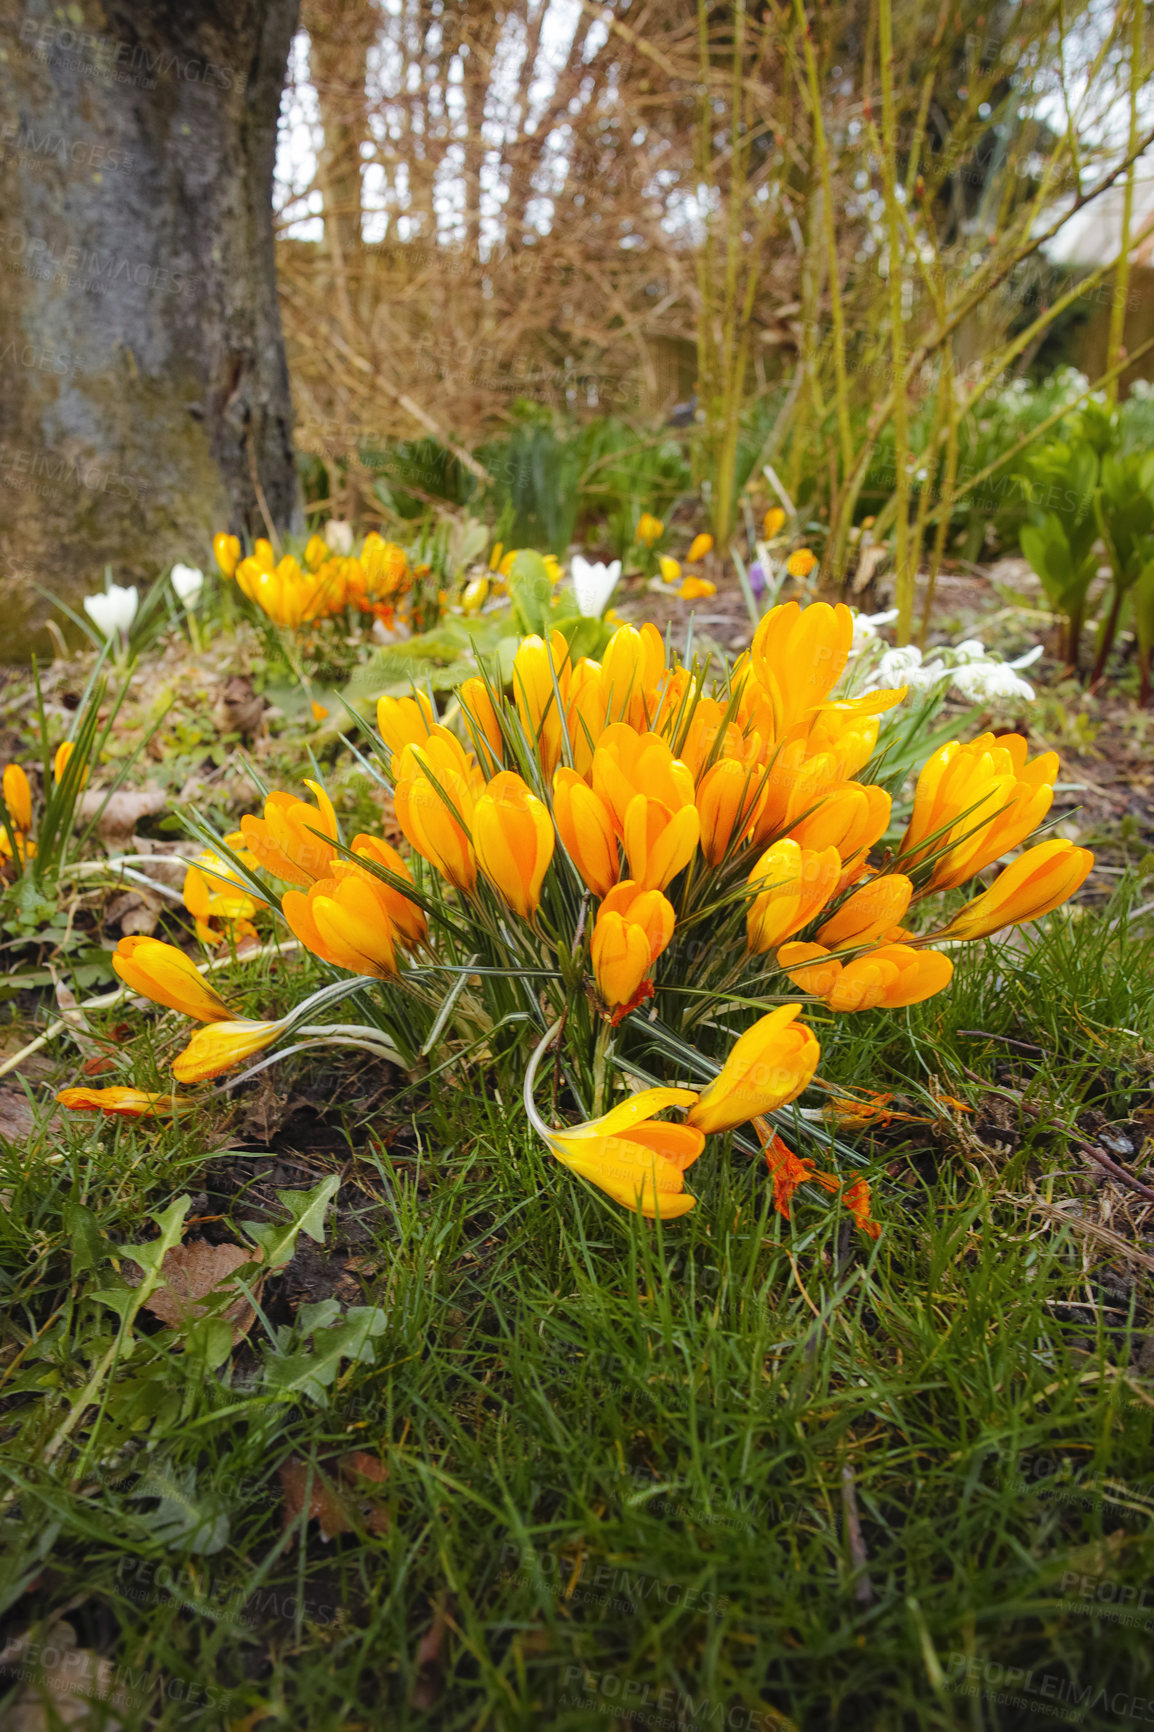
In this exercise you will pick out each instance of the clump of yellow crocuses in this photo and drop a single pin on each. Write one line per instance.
(653, 873)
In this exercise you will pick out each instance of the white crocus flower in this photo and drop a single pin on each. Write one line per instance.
(113, 612)
(593, 585)
(339, 536)
(187, 581)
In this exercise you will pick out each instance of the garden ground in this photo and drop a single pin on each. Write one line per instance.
(489, 1453)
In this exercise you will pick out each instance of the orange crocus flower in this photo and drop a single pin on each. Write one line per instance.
(792, 885)
(513, 840)
(1037, 881)
(769, 1066)
(293, 841)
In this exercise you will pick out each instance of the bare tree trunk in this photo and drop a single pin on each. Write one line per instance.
(147, 402)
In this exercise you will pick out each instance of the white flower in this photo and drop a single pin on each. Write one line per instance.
(865, 626)
(187, 581)
(971, 650)
(593, 585)
(1028, 660)
(921, 679)
(979, 682)
(339, 535)
(896, 665)
(113, 612)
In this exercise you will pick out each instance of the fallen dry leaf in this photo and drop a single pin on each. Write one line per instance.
(61, 1682)
(192, 1272)
(122, 811)
(16, 1119)
(430, 1679)
(136, 912)
(240, 709)
(326, 1505)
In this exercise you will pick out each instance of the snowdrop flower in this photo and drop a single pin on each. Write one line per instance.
(896, 665)
(971, 650)
(113, 613)
(187, 581)
(593, 585)
(865, 626)
(922, 679)
(339, 536)
(980, 682)
(904, 667)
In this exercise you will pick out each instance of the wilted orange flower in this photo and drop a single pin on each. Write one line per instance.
(219, 1046)
(769, 1066)
(696, 589)
(636, 1158)
(650, 529)
(699, 547)
(788, 1170)
(118, 1103)
(857, 1201)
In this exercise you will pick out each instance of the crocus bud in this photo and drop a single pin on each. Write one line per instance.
(892, 975)
(1030, 886)
(585, 826)
(632, 929)
(167, 976)
(769, 1066)
(18, 797)
(793, 885)
(513, 840)
(226, 550)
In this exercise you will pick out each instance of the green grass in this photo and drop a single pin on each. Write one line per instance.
(729, 1473)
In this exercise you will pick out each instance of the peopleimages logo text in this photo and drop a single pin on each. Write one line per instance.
(110, 54)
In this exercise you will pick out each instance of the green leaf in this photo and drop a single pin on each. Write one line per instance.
(585, 637)
(311, 1372)
(152, 1254)
(181, 1518)
(531, 593)
(209, 1340)
(89, 1246)
(307, 1210)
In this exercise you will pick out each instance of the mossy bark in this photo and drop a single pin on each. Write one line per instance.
(146, 398)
